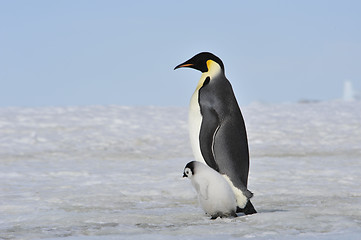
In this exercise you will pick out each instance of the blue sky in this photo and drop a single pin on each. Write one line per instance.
(84, 52)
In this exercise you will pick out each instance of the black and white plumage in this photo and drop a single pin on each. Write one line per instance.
(217, 129)
(214, 193)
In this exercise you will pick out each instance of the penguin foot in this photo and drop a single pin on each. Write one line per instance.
(214, 217)
(248, 209)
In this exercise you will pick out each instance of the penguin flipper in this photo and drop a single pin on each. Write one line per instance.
(201, 186)
(204, 192)
(208, 131)
(231, 149)
(217, 143)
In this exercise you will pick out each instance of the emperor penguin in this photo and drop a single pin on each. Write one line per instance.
(215, 195)
(216, 127)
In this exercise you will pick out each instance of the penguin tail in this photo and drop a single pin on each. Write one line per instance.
(248, 209)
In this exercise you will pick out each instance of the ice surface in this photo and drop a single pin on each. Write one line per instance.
(111, 172)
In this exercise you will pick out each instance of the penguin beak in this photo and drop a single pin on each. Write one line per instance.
(184, 175)
(183, 65)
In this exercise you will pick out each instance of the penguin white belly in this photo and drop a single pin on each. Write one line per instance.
(195, 121)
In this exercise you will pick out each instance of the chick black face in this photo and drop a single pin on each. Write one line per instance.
(199, 62)
(189, 169)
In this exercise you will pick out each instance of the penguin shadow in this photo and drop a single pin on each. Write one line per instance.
(240, 214)
(261, 211)
(272, 210)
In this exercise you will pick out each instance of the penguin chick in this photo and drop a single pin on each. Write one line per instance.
(215, 195)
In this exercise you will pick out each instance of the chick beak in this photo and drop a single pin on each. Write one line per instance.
(184, 175)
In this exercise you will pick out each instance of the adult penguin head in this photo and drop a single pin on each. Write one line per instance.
(202, 62)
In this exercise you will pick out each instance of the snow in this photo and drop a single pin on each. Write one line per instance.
(113, 172)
